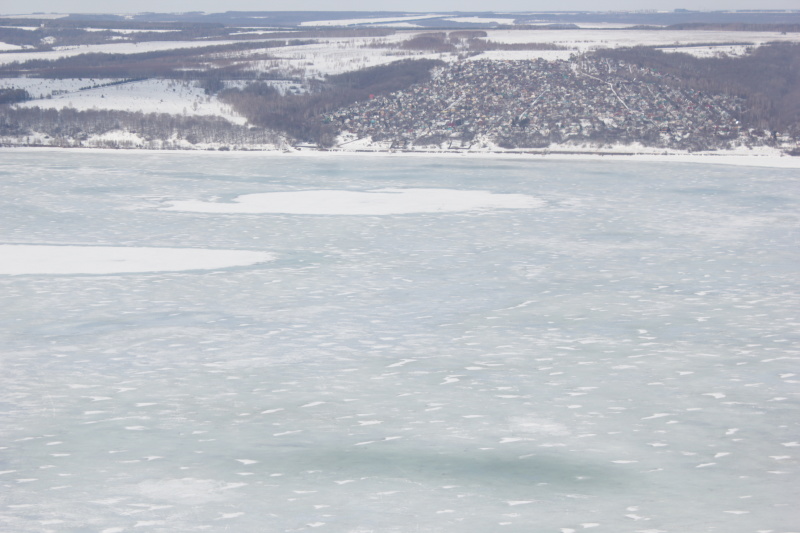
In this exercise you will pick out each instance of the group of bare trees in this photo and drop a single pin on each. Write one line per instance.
(13, 96)
(69, 127)
(471, 42)
(768, 79)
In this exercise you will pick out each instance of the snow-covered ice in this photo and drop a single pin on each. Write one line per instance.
(39, 259)
(375, 202)
(620, 354)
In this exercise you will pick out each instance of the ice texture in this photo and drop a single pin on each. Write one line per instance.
(39, 259)
(378, 202)
(621, 355)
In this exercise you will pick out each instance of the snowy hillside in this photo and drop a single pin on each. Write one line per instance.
(148, 96)
(180, 68)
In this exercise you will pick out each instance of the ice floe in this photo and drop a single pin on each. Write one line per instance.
(16, 259)
(374, 202)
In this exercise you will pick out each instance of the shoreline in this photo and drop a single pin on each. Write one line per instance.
(769, 158)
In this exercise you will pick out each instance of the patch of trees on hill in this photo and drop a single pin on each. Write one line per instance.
(298, 114)
(12, 96)
(768, 79)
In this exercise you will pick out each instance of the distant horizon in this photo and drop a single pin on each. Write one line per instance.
(408, 6)
(500, 12)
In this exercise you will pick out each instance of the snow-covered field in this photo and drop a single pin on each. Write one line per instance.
(148, 96)
(732, 50)
(4, 47)
(353, 48)
(338, 55)
(368, 21)
(619, 355)
(113, 48)
(44, 87)
(592, 39)
(44, 16)
(482, 20)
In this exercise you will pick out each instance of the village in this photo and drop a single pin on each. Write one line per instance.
(508, 104)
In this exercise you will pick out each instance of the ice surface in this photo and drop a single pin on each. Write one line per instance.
(620, 357)
(376, 202)
(38, 259)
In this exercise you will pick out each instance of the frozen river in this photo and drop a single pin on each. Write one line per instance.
(271, 344)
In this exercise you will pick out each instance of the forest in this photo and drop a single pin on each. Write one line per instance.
(768, 78)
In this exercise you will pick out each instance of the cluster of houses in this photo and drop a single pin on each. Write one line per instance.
(535, 103)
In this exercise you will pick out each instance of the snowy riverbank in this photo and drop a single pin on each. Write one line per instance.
(758, 157)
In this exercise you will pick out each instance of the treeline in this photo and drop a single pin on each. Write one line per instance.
(479, 45)
(108, 22)
(43, 39)
(50, 33)
(432, 42)
(736, 26)
(473, 42)
(298, 114)
(69, 127)
(768, 79)
(66, 32)
(181, 63)
(13, 96)
(20, 37)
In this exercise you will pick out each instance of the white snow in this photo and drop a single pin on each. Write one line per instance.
(519, 55)
(482, 20)
(337, 55)
(17, 259)
(375, 202)
(361, 21)
(709, 51)
(113, 48)
(273, 397)
(44, 87)
(592, 39)
(43, 16)
(148, 96)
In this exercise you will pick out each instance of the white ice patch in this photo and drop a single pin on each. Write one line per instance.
(541, 426)
(17, 259)
(183, 490)
(376, 202)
